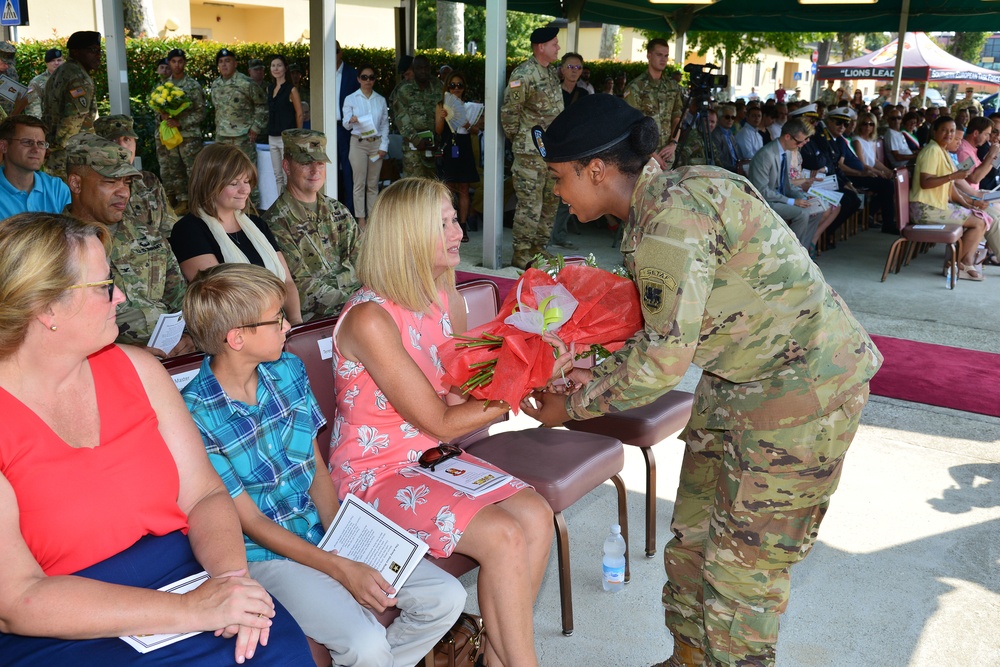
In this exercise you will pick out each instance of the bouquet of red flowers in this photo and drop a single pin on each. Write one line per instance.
(506, 358)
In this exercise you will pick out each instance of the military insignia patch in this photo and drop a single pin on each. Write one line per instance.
(536, 134)
(655, 287)
(78, 92)
(515, 84)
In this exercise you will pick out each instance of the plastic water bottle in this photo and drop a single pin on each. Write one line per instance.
(947, 276)
(614, 560)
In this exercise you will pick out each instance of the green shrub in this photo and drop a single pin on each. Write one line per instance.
(142, 55)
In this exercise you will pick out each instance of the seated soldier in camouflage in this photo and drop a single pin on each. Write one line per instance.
(99, 175)
(695, 141)
(148, 204)
(317, 234)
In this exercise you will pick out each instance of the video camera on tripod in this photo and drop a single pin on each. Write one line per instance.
(703, 83)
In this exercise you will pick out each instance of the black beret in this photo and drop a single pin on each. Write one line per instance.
(163, 61)
(405, 62)
(223, 53)
(542, 35)
(83, 39)
(593, 124)
(52, 54)
(176, 53)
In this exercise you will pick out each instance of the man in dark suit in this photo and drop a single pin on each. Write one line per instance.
(769, 174)
(347, 83)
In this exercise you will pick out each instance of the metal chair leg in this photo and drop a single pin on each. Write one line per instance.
(647, 453)
(565, 580)
(623, 520)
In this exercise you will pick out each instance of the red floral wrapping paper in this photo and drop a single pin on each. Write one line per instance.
(608, 314)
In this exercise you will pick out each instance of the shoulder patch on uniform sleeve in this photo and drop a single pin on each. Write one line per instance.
(78, 92)
(656, 289)
(628, 91)
(515, 84)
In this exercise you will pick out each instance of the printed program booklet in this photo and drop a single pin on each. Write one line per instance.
(147, 643)
(361, 534)
(466, 476)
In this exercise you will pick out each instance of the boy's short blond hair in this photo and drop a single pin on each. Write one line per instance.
(226, 297)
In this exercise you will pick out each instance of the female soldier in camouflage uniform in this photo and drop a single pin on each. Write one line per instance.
(724, 284)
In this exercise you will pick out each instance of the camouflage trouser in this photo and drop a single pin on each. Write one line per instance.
(175, 166)
(415, 163)
(536, 202)
(749, 505)
(249, 149)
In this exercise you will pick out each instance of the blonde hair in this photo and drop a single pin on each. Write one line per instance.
(214, 168)
(226, 297)
(401, 240)
(40, 257)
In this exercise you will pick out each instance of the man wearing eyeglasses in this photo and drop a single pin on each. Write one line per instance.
(23, 188)
(69, 106)
(142, 264)
(897, 151)
(727, 155)
(827, 149)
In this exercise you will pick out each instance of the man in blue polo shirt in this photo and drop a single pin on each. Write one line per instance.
(23, 188)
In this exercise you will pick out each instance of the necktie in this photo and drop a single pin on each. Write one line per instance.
(784, 170)
(732, 147)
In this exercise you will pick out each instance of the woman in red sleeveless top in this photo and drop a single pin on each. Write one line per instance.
(106, 493)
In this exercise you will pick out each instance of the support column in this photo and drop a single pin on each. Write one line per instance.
(323, 79)
(495, 80)
(114, 44)
(904, 15)
(572, 36)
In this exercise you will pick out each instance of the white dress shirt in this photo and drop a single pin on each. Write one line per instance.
(357, 105)
(749, 141)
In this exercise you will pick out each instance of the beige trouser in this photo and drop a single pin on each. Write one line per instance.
(366, 173)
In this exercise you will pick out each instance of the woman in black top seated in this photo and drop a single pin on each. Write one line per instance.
(219, 229)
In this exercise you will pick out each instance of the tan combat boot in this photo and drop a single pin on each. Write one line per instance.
(684, 655)
(521, 258)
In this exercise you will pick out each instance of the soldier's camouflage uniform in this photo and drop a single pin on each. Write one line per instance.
(661, 100)
(413, 112)
(691, 150)
(321, 250)
(725, 285)
(69, 108)
(533, 96)
(240, 106)
(176, 163)
(36, 90)
(8, 53)
(148, 206)
(828, 97)
(967, 104)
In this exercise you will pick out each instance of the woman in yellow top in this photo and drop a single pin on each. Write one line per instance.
(934, 200)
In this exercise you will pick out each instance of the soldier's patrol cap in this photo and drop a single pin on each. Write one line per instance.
(255, 63)
(845, 113)
(223, 53)
(542, 35)
(305, 146)
(112, 127)
(105, 157)
(808, 110)
(176, 53)
(83, 39)
(7, 50)
(593, 124)
(52, 54)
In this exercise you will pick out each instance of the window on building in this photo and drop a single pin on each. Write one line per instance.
(756, 74)
(739, 74)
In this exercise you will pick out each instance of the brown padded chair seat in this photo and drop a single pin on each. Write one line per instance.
(539, 456)
(644, 427)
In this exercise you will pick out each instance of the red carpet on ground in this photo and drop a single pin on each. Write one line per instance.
(949, 377)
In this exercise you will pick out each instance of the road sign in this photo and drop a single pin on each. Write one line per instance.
(14, 12)
(797, 76)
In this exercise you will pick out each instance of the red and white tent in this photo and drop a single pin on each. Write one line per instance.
(923, 60)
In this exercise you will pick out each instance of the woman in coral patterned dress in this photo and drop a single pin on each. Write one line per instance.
(392, 405)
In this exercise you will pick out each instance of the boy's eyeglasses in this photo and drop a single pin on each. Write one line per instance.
(280, 322)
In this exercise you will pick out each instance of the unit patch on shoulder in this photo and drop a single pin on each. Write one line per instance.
(656, 287)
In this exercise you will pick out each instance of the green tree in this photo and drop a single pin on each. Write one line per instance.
(968, 46)
(746, 46)
(519, 28)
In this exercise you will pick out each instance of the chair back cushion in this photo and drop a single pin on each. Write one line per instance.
(482, 301)
(901, 197)
(184, 368)
(313, 344)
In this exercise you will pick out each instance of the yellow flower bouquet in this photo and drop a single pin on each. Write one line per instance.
(171, 100)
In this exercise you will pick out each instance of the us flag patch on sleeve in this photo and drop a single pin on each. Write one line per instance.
(78, 92)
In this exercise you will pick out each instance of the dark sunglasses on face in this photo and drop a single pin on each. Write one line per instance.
(366, 77)
(435, 455)
(840, 122)
(868, 123)
(456, 85)
(727, 117)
